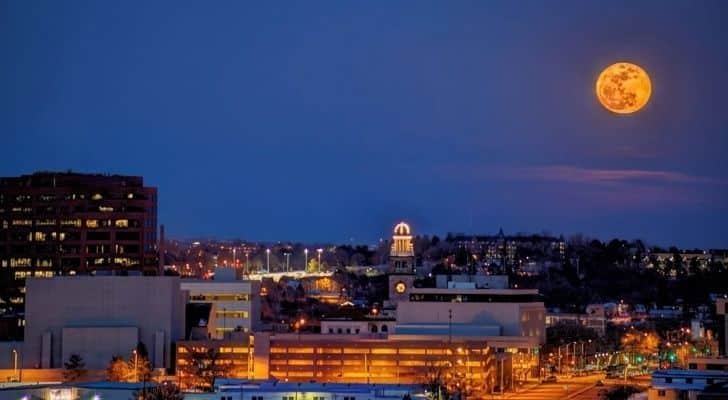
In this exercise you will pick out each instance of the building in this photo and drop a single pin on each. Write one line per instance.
(68, 223)
(676, 384)
(370, 359)
(594, 318)
(236, 304)
(708, 363)
(401, 263)
(230, 389)
(100, 317)
(721, 314)
(87, 390)
(357, 326)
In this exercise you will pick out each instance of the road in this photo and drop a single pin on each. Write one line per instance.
(583, 388)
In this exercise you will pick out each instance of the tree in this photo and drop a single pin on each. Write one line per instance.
(165, 391)
(203, 366)
(75, 368)
(435, 386)
(313, 266)
(139, 365)
(117, 370)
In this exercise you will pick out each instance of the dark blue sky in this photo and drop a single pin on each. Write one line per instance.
(333, 120)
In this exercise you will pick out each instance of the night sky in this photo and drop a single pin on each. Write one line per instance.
(319, 120)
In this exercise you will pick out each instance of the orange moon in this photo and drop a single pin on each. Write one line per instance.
(623, 88)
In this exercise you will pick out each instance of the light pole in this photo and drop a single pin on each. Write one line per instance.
(136, 373)
(247, 262)
(305, 260)
(288, 257)
(319, 251)
(267, 260)
(224, 322)
(15, 364)
(235, 258)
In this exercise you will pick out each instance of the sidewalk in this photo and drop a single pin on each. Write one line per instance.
(524, 389)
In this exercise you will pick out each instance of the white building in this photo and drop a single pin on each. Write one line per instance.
(227, 389)
(98, 317)
(236, 304)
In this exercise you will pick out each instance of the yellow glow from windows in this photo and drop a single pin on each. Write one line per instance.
(92, 223)
(45, 222)
(71, 222)
(22, 222)
(106, 209)
(232, 314)
(122, 223)
(39, 236)
(20, 262)
(97, 196)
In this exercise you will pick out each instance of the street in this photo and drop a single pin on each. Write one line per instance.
(581, 388)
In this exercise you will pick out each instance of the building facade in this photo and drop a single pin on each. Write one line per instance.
(69, 223)
(236, 304)
(372, 359)
(100, 317)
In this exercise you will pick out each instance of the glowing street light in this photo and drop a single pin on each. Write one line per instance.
(305, 259)
(267, 260)
(136, 374)
(319, 251)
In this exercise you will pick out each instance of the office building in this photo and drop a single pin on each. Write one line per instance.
(68, 223)
(235, 303)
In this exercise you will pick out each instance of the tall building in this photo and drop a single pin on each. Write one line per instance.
(401, 262)
(64, 223)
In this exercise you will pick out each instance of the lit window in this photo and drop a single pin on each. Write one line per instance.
(106, 209)
(20, 262)
(71, 222)
(92, 223)
(97, 196)
(40, 236)
(122, 223)
(22, 222)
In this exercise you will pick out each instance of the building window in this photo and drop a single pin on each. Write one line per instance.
(331, 330)
(92, 223)
(122, 223)
(668, 380)
(661, 393)
(688, 380)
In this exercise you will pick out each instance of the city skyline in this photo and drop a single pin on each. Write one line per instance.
(329, 122)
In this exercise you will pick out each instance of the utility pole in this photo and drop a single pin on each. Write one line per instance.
(449, 325)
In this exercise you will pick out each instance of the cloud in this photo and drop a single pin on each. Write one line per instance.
(571, 174)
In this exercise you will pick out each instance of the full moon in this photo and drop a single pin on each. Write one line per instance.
(623, 88)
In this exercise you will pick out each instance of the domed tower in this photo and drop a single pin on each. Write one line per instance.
(402, 254)
(401, 263)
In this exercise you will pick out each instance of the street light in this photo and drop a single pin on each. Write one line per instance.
(319, 251)
(136, 373)
(305, 259)
(288, 257)
(15, 364)
(267, 260)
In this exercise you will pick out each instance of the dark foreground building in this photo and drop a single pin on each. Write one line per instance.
(70, 224)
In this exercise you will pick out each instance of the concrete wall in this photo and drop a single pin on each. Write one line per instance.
(95, 344)
(152, 305)
(208, 289)
(515, 319)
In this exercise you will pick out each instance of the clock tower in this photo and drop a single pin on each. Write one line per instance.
(401, 263)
